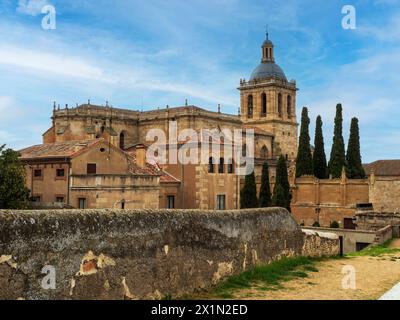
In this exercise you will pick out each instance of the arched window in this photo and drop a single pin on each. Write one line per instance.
(211, 165)
(289, 106)
(280, 104)
(264, 152)
(250, 106)
(264, 104)
(221, 165)
(244, 151)
(122, 140)
(102, 129)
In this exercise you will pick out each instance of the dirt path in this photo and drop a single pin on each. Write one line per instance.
(374, 277)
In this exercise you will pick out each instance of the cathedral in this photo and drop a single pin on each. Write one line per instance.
(94, 156)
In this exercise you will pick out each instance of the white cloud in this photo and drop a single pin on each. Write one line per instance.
(387, 32)
(31, 7)
(48, 63)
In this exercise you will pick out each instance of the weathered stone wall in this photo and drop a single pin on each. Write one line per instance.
(320, 244)
(111, 254)
(353, 240)
(377, 221)
(383, 193)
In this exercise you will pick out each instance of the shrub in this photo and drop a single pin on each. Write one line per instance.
(335, 225)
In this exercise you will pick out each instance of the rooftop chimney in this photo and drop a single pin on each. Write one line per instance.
(141, 156)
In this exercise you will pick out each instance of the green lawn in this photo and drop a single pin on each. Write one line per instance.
(265, 277)
(376, 251)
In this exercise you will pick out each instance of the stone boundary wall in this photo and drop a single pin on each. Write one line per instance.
(112, 254)
(319, 244)
(327, 200)
(353, 237)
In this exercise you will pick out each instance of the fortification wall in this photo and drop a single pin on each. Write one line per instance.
(111, 254)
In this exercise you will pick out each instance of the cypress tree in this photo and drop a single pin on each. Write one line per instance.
(338, 158)
(282, 195)
(265, 191)
(355, 169)
(319, 158)
(304, 165)
(279, 198)
(248, 195)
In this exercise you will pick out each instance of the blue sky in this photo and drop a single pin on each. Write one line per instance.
(147, 54)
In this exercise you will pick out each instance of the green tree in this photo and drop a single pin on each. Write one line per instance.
(355, 169)
(304, 165)
(248, 195)
(338, 158)
(319, 158)
(13, 193)
(282, 196)
(265, 191)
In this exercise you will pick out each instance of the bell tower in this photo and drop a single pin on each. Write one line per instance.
(268, 102)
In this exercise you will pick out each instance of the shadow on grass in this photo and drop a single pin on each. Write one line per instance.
(266, 277)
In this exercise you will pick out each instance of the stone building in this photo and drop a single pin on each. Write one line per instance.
(384, 185)
(328, 200)
(92, 174)
(267, 106)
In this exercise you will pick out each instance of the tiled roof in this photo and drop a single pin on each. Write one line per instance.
(383, 168)
(154, 168)
(70, 149)
(67, 149)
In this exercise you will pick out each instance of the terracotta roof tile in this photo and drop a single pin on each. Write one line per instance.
(66, 149)
(383, 168)
(154, 168)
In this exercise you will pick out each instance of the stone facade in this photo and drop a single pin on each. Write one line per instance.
(272, 118)
(59, 173)
(329, 200)
(142, 254)
(384, 193)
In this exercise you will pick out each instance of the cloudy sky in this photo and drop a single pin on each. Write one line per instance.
(147, 54)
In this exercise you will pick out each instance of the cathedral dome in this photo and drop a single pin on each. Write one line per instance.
(268, 70)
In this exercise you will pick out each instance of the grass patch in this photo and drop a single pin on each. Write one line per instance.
(268, 277)
(376, 251)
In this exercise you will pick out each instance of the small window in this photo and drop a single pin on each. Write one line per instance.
(82, 203)
(37, 173)
(264, 104)
(36, 199)
(221, 202)
(211, 165)
(289, 106)
(170, 202)
(60, 199)
(280, 104)
(250, 106)
(60, 173)
(122, 140)
(91, 168)
(123, 204)
(221, 166)
(231, 169)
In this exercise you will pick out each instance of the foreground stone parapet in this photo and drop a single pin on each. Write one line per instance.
(111, 254)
